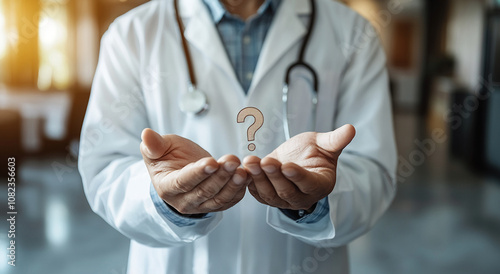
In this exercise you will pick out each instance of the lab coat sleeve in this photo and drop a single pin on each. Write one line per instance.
(320, 211)
(115, 178)
(365, 184)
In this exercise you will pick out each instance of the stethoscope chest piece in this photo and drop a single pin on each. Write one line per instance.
(193, 102)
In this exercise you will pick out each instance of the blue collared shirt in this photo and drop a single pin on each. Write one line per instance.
(243, 41)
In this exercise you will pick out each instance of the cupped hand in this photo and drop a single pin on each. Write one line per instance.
(188, 178)
(300, 172)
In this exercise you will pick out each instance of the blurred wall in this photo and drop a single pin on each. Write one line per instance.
(48, 56)
(465, 39)
(400, 26)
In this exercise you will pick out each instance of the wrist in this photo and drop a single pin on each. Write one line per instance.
(192, 216)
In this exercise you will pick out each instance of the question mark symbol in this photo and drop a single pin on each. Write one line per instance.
(259, 121)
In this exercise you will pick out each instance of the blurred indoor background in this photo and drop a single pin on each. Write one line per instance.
(444, 62)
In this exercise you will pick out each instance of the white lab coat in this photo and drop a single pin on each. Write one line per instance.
(140, 76)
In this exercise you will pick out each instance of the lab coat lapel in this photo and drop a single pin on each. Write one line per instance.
(285, 32)
(201, 33)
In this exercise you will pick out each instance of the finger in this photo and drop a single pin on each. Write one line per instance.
(335, 141)
(228, 193)
(153, 145)
(253, 190)
(285, 189)
(236, 199)
(190, 176)
(263, 186)
(239, 196)
(213, 184)
(252, 166)
(306, 181)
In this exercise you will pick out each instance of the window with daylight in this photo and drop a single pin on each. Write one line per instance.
(55, 71)
(35, 44)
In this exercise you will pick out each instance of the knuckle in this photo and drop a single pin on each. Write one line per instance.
(310, 188)
(238, 197)
(203, 193)
(268, 197)
(199, 175)
(179, 186)
(288, 195)
(232, 190)
(222, 176)
(220, 201)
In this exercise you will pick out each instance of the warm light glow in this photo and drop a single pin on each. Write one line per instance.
(3, 33)
(54, 71)
(51, 32)
(44, 77)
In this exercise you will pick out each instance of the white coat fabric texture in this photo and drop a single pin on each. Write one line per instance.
(140, 77)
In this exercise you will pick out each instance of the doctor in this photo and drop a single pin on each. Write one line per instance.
(174, 183)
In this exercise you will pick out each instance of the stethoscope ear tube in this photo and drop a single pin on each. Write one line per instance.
(185, 47)
(301, 63)
(301, 60)
(193, 102)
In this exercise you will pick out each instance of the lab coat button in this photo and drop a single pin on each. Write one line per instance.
(249, 76)
(247, 40)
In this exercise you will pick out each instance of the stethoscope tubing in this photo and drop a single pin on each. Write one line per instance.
(301, 63)
(187, 53)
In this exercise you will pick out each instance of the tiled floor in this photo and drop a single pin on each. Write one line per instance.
(445, 219)
(57, 233)
(433, 227)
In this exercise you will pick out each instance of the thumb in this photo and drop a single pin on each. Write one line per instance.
(335, 141)
(153, 145)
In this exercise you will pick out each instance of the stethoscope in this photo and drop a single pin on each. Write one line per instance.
(194, 102)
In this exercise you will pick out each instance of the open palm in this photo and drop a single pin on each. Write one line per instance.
(188, 178)
(301, 171)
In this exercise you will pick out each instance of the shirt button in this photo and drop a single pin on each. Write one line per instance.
(247, 39)
(249, 76)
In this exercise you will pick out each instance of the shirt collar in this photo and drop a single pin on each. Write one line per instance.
(217, 9)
